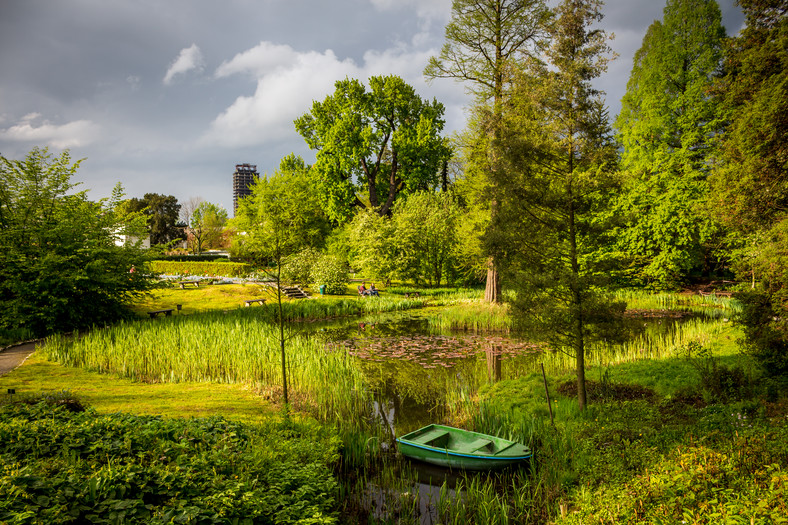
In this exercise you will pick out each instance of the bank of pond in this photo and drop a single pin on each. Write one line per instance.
(681, 426)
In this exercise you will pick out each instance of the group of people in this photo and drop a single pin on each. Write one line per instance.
(363, 290)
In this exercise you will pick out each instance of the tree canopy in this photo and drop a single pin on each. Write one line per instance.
(373, 145)
(206, 224)
(60, 267)
(486, 42)
(556, 164)
(162, 212)
(667, 126)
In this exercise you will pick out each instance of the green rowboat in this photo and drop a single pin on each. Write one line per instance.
(457, 448)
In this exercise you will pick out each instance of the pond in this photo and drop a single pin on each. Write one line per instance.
(412, 367)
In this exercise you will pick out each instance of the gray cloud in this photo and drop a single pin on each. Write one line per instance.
(168, 96)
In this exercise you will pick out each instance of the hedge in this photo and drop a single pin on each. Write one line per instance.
(214, 269)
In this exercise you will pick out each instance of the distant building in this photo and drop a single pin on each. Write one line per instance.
(244, 176)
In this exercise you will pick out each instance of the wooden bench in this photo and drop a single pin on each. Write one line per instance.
(432, 436)
(167, 312)
(475, 446)
(250, 302)
(183, 283)
(411, 294)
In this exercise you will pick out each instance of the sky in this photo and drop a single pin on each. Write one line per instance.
(167, 96)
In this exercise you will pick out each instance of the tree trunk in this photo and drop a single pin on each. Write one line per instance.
(492, 290)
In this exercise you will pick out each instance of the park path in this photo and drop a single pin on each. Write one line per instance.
(13, 356)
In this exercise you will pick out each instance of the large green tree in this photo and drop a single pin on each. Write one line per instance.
(556, 162)
(667, 126)
(750, 179)
(60, 267)
(206, 225)
(485, 42)
(373, 145)
(162, 212)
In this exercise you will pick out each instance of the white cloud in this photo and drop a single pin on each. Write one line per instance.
(260, 60)
(73, 134)
(289, 81)
(188, 59)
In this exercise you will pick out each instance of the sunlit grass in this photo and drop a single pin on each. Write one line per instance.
(109, 393)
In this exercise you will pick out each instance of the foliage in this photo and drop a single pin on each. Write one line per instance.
(667, 126)
(331, 271)
(720, 384)
(486, 42)
(764, 332)
(221, 267)
(555, 163)
(162, 212)
(316, 268)
(59, 266)
(417, 244)
(65, 467)
(373, 145)
(425, 238)
(370, 239)
(750, 180)
(281, 216)
(298, 267)
(205, 226)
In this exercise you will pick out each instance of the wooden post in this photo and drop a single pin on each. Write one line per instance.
(547, 393)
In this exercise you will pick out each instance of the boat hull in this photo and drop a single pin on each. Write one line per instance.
(456, 448)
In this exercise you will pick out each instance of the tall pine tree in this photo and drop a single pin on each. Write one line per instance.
(485, 42)
(556, 164)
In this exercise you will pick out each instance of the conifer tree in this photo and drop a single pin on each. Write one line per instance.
(556, 165)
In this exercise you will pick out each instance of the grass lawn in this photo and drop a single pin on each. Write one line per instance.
(219, 297)
(108, 393)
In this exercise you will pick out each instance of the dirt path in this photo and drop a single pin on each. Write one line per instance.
(13, 356)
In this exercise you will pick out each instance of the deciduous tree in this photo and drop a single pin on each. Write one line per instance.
(162, 212)
(60, 267)
(205, 228)
(279, 218)
(750, 179)
(667, 126)
(373, 145)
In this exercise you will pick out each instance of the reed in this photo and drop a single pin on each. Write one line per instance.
(709, 305)
(224, 349)
(474, 316)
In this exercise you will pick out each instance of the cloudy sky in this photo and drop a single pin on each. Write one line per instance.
(166, 96)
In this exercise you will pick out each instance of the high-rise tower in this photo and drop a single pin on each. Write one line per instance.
(244, 176)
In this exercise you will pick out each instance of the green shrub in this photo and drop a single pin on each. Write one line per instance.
(298, 267)
(719, 383)
(65, 467)
(331, 271)
(765, 332)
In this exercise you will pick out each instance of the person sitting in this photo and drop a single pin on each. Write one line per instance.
(373, 290)
(362, 290)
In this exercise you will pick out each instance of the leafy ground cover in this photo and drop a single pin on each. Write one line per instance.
(64, 466)
(698, 450)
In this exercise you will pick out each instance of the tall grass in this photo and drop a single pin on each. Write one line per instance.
(219, 348)
(474, 316)
(710, 305)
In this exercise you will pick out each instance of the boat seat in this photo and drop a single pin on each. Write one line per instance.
(432, 435)
(477, 445)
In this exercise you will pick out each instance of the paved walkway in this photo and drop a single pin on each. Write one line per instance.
(12, 357)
